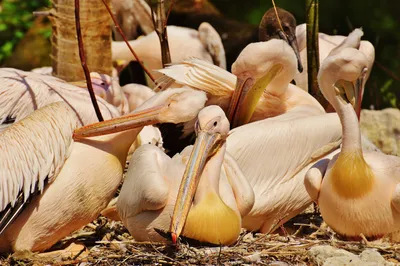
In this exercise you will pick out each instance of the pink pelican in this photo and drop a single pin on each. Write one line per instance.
(57, 177)
(221, 193)
(357, 191)
(326, 44)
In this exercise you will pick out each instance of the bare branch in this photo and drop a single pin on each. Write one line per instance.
(160, 27)
(83, 62)
(117, 26)
(169, 12)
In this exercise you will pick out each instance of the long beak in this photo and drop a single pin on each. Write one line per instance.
(250, 95)
(241, 86)
(292, 41)
(203, 148)
(359, 89)
(138, 119)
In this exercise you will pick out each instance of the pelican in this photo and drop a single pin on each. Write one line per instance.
(23, 92)
(284, 29)
(126, 98)
(221, 198)
(291, 143)
(56, 177)
(326, 44)
(261, 74)
(358, 192)
(184, 43)
(38, 90)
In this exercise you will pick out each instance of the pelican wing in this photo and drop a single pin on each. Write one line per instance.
(272, 151)
(22, 92)
(201, 75)
(33, 152)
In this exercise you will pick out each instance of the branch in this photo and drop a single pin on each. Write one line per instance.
(83, 62)
(117, 26)
(168, 13)
(160, 27)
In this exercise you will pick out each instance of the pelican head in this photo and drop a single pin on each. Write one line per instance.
(101, 83)
(344, 70)
(268, 66)
(170, 106)
(284, 29)
(199, 210)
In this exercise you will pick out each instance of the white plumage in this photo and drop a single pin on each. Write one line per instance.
(183, 42)
(24, 168)
(326, 44)
(23, 92)
(254, 62)
(86, 179)
(274, 154)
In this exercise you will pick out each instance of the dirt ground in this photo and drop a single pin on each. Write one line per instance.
(106, 242)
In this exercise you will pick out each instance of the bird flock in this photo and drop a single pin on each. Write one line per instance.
(210, 151)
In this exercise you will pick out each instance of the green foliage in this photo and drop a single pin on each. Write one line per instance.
(15, 19)
(379, 20)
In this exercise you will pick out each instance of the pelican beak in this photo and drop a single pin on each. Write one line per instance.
(242, 86)
(244, 104)
(292, 41)
(205, 146)
(137, 119)
(358, 91)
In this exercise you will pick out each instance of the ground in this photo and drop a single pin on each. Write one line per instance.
(106, 242)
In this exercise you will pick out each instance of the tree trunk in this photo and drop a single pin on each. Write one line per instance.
(96, 33)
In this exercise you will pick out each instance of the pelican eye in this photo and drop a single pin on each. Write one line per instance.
(215, 123)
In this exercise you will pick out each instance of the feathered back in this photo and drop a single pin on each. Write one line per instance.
(22, 92)
(33, 150)
(203, 76)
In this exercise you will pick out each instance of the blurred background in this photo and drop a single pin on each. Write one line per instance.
(25, 40)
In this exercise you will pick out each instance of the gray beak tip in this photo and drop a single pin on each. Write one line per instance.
(300, 67)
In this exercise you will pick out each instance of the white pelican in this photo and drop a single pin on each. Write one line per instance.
(221, 198)
(266, 67)
(82, 175)
(358, 192)
(23, 92)
(262, 71)
(274, 154)
(184, 43)
(326, 44)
